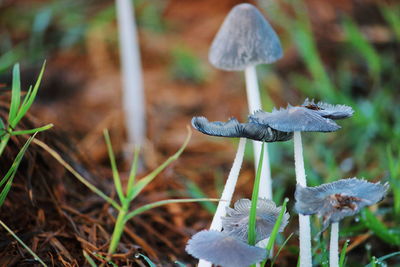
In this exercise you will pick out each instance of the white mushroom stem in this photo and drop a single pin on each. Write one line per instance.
(254, 102)
(132, 82)
(227, 193)
(304, 221)
(334, 246)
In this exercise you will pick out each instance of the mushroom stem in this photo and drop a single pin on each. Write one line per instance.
(334, 245)
(304, 220)
(227, 193)
(132, 83)
(254, 102)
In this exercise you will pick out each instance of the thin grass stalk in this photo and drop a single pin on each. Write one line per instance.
(334, 245)
(34, 255)
(304, 221)
(94, 189)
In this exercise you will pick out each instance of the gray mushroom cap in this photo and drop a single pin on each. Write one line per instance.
(293, 119)
(233, 128)
(342, 198)
(334, 112)
(221, 249)
(244, 39)
(236, 222)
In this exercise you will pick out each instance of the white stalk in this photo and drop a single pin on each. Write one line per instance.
(254, 102)
(132, 81)
(304, 221)
(334, 245)
(227, 193)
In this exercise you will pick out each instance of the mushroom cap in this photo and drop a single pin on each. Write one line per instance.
(334, 112)
(233, 128)
(224, 250)
(244, 39)
(294, 119)
(342, 198)
(236, 223)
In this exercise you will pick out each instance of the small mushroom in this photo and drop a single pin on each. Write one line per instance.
(224, 250)
(342, 198)
(245, 40)
(334, 201)
(235, 223)
(310, 117)
(233, 128)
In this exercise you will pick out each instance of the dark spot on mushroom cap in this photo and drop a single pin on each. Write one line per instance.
(244, 39)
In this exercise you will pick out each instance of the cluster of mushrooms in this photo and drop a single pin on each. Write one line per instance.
(245, 40)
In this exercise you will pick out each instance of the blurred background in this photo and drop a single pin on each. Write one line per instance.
(341, 52)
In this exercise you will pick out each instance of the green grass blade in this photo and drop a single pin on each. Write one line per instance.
(394, 179)
(35, 130)
(180, 264)
(28, 100)
(149, 262)
(362, 46)
(379, 260)
(13, 170)
(375, 225)
(254, 200)
(36, 257)
(2, 127)
(280, 249)
(343, 253)
(138, 187)
(278, 222)
(391, 15)
(116, 177)
(153, 205)
(132, 173)
(15, 93)
(89, 259)
(94, 189)
(195, 191)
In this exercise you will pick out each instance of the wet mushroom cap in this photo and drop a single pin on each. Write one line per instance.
(236, 222)
(224, 250)
(334, 201)
(233, 128)
(334, 112)
(244, 39)
(294, 119)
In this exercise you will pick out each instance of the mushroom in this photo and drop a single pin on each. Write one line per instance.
(223, 249)
(308, 118)
(334, 201)
(132, 81)
(237, 219)
(233, 128)
(245, 40)
(229, 247)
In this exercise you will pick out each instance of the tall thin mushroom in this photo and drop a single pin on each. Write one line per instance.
(233, 128)
(245, 40)
(132, 81)
(310, 117)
